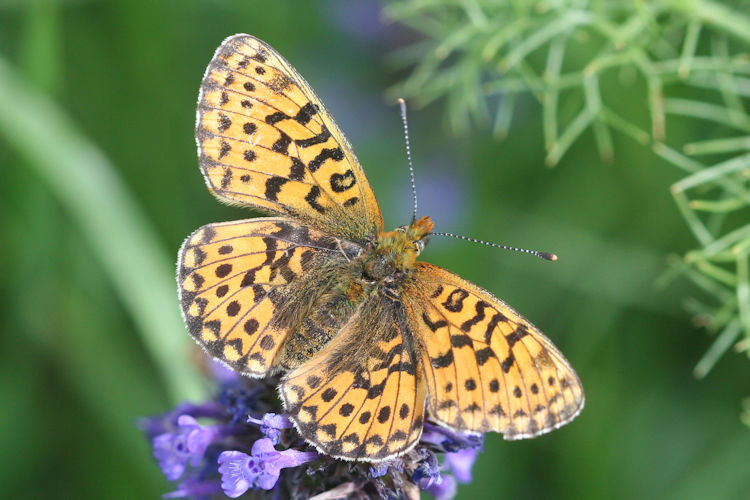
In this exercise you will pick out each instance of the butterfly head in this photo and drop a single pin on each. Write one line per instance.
(396, 251)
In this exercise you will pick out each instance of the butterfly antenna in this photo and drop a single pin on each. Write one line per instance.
(402, 104)
(542, 255)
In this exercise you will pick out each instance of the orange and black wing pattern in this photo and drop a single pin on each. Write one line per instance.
(235, 280)
(266, 141)
(486, 367)
(362, 396)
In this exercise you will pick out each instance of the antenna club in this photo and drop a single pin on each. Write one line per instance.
(548, 256)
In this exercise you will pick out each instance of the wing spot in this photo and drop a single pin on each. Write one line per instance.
(313, 381)
(246, 104)
(508, 362)
(267, 343)
(448, 387)
(470, 384)
(473, 407)
(497, 410)
(461, 341)
(251, 326)
(197, 280)
(494, 385)
(249, 128)
(245, 178)
(384, 414)
(249, 155)
(399, 435)
(224, 122)
(517, 391)
(342, 182)
(249, 87)
(364, 417)
(222, 290)
(517, 335)
(346, 409)
(273, 186)
(329, 394)
(260, 70)
(227, 178)
(233, 308)
(375, 439)
(329, 429)
(282, 144)
(443, 361)
(404, 411)
(312, 199)
(483, 355)
(534, 389)
(223, 270)
(297, 172)
(455, 301)
(551, 381)
(351, 438)
(224, 149)
(444, 405)
(225, 249)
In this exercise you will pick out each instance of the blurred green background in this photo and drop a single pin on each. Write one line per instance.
(99, 185)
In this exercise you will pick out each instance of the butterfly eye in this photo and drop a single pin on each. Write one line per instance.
(401, 229)
(420, 244)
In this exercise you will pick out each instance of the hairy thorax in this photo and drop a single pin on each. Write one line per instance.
(380, 268)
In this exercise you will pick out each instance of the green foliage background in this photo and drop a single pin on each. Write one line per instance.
(99, 185)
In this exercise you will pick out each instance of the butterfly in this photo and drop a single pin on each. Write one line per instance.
(368, 340)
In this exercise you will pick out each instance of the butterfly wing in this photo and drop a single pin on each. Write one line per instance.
(362, 397)
(486, 367)
(265, 140)
(243, 285)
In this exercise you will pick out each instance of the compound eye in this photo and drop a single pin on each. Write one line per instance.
(419, 246)
(401, 229)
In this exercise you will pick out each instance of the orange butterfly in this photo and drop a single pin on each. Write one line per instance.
(368, 338)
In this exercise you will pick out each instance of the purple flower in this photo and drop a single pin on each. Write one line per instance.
(444, 488)
(240, 472)
(153, 426)
(428, 470)
(173, 451)
(449, 440)
(460, 463)
(379, 469)
(272, 424)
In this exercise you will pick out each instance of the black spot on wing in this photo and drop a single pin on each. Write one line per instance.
(273, 186)
(312, 199)
(326, 154)
(443, 360)
(320, 138)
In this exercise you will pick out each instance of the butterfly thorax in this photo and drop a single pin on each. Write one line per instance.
(315, 316)
(395, 252)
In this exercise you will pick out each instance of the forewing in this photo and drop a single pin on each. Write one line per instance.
(486, 367)
(266, 141)
(233, 278)
(362, 397)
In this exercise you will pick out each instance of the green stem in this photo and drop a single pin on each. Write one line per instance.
(122, 237)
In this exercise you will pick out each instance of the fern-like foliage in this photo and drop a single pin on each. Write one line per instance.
(688, 59)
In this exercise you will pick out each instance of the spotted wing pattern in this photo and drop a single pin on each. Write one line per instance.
(232, 278)
(486, 367)
(265, 140)
(362, 397)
